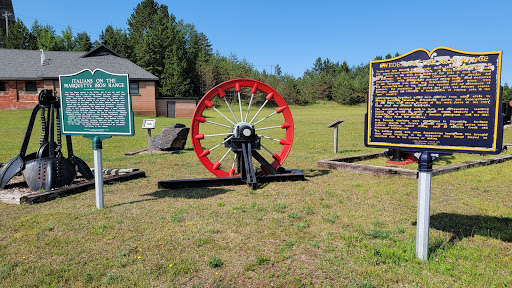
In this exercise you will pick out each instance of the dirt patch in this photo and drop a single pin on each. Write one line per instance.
(18, 192)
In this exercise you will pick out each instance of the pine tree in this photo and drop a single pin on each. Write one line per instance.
(43, 37)
(507, 93)
(68, 41)
(203, 66)
(18, 36)
(156, 39)
(278, 71)
(117, 40)
(199, 50)
(318, 66)
(175, 78)
(344, 67)
(83, 42)
(141, 20)
(2, 39)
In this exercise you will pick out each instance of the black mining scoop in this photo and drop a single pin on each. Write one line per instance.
(47, 168)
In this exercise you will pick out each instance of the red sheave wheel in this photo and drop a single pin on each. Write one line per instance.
(231, 105)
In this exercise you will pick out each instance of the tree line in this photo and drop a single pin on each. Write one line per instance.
(184, 61)
(507, 93)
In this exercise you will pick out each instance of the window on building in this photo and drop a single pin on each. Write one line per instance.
(134, 88)
(2, 86)
(30, 86)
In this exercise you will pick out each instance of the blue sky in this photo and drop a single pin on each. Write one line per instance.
(294, 33)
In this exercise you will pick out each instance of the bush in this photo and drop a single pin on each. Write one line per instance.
(215, 262)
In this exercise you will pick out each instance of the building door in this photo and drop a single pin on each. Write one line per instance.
(171, 109)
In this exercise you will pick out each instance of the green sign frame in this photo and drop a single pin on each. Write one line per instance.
(96, 104)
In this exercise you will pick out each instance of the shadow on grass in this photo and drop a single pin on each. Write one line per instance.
(462, 226)
(312, 173)
(191, 193)
(441, 244)
(349, 151)
(179, 151)
(446, 160)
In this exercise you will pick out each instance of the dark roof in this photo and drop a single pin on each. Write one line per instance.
(101, 50)
(26, 64)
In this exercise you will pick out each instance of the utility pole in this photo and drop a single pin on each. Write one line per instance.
(6, 15)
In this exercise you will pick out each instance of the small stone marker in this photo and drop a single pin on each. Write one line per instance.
(172, 138)
(335, 125)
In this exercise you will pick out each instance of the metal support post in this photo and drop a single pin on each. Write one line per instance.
(150, 147)
(336, 139)
(335, 125)
(149, 124)
(423, 216)
(6, 15)
(98, 172)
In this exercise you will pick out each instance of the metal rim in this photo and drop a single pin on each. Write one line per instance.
(200, 124)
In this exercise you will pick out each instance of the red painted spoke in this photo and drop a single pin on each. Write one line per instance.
(218, 145)
(221, 134)
(249, 108)
(227, 152)
(265, 128)
(258, 111)
(229, 106)
(270, 115)
(269, 138)
(225, 115)
(234, 162)
(215, 123)
(270, 152)
(240, 104)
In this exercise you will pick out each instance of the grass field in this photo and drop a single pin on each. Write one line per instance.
(337, 229)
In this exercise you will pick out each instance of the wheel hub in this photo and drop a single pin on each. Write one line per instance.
(244, 130)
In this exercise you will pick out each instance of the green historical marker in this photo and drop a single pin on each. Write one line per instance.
(97, 105)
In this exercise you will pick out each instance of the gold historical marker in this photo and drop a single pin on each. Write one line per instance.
(442, 101)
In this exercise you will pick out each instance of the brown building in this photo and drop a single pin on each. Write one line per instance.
(176, 107)
(24, 73)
